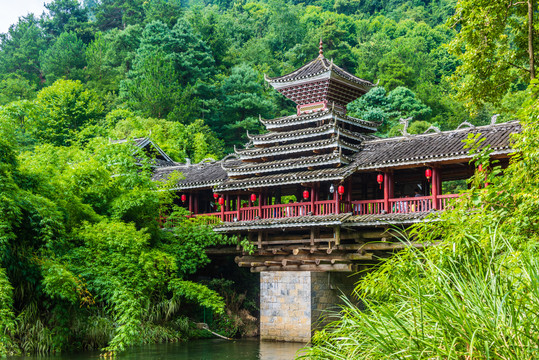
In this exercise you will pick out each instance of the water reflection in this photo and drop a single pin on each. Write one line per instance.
(211, 349)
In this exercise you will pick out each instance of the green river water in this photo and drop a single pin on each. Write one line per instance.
(209, 349)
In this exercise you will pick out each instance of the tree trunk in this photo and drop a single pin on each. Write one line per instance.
(530, 38)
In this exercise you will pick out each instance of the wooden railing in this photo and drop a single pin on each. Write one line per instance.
(444, 200)
(326, 207)
(366, 207)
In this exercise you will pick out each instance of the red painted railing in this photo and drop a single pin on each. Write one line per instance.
(411, 204)
(445, 200)
(365, 207)
(326, 207)
(209, 219)
(285, 210)
(230, 216)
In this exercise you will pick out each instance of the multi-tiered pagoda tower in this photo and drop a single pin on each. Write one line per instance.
(310, 146)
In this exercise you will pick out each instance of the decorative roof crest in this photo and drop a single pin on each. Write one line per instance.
(405, 122)
(493, 119)
(465, 123)
(433, 128)
(321, 48)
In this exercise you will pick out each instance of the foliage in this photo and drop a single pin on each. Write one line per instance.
(474, 294)
(495, 47)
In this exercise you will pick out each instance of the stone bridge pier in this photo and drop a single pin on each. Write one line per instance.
(295, 303)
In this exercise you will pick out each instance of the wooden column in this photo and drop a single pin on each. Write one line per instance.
(190, 204)
(260, 204)
(337, 233)
(387, 186)
(222, 212)
(238, 207)
(227, 203)
(435, 187)
(336, 199)
(194, 196)
(348, 190)
(312, 198)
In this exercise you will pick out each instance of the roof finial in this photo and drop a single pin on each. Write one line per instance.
(321, 48)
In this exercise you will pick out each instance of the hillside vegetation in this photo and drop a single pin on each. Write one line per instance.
(83, 263)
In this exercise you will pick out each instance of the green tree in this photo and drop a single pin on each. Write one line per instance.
(152, 87)
(62, 110)
(20, 50)
(64, 59)
(496, 46)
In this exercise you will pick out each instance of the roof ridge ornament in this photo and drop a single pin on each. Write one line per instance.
(321, 49)
(405, 122)
(494, 119)
(228, 157)
(467, 124)
(433, 128)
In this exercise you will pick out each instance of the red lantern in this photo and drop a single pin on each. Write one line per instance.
(215, 196)
(221, 201)
(253, 197)
(380, 180)
(480, 168)
(428, 174)
(340, 190)
(184, 197)
(306, 194)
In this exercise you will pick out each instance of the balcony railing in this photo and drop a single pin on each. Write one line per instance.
(328, 207)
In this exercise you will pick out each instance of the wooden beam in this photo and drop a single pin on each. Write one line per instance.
(308, 267)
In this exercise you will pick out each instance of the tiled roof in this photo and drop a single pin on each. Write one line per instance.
(318, 66)
(303, 119)
(433, 147)
(345, 220)
(291, 222)
(195, 175)
(162, 159)
(292, 148)
(285, 136)
(389, 219)
(334, 158)
(285, 179)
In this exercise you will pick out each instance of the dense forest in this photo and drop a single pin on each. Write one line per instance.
(83, 263)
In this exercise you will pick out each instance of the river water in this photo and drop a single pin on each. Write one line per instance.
(209, 349)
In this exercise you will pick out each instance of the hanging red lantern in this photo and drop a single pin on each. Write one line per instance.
(215, 196)
(253, 197)
(428, 174)
(184, 197)
(480, 168)
(340, 190)
(380, 180)
(306, 194)
(221, 201)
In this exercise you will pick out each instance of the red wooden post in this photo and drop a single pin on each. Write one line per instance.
(260, 205)
(238, 208)
(227, 203)
(337, 205)
(391, 186)
(222, 212)
(349, 195)
(435, 187)
(190, 206)
(312, 198)
(195, 202)
(387, 180)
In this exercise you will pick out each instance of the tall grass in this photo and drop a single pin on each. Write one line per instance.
(481, 304)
